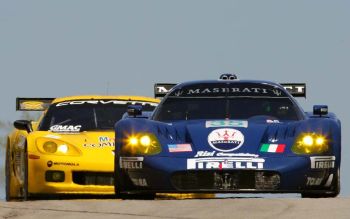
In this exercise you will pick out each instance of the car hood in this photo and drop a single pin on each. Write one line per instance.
(230, 136)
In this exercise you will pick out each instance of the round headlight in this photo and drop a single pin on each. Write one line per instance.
(145, 141)
(50, 147)
(62, 148)
(320, 140)
(308, 140)
(133, 141)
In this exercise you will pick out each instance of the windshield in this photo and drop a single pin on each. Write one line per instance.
(87, 115)
(226, 108)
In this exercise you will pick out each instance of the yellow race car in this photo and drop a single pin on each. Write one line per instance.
(70, 149)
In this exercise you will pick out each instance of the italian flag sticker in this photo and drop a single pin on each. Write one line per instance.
(272, 148)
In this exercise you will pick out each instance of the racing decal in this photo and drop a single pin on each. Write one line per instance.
(226, 123)
(222, 154)
(131, 162)
(272, 121)
(225, 163)
(54, 163)
(329, 180)
(221, 89)
(139, 182)
(103, 141)
(65, 128)
(272, 148)
(322, 162)
(313, 181)
(210, 90)
(225, 139)
(179, 148)
(104, 102)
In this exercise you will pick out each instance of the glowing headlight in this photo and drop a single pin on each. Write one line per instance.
(133, 141)
(142, 144)
(310, 143)
(63, 148)
(308, 140)
(145, 141)
(56, 147)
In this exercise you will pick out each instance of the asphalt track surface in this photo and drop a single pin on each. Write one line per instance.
(184, 208)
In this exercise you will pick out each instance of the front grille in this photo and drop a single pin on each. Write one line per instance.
(233, 180)
(93, 178)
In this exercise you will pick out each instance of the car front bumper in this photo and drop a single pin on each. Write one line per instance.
(294, 174)
(70, 175)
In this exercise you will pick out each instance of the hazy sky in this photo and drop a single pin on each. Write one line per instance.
(59, 48)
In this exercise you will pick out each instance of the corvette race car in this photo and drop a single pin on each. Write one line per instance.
(70, 149)
(229, 136)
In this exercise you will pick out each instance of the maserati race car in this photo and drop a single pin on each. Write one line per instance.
(70, 149)
(229, 136)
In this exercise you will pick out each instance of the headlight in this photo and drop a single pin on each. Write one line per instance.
(56, 147)
(142, 144)
(310, 143)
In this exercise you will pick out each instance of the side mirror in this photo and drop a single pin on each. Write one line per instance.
(320, 110)
(23, 125)
(134, 110)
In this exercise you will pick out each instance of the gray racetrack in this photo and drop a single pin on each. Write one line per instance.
(191, 208)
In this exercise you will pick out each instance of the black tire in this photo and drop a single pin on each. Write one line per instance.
(25, 180)
(327, 194)
(8, 172)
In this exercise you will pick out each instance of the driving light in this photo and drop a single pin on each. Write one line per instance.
(133, 141)
(310, 143)
(308, 140)
(145, 141)
(320, 140)
(50, 147)
(142, 144)
(63, 148)
(56, 147)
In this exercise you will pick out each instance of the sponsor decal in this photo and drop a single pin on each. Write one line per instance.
(221, 89)
(222, 154)
(179, 148)
(65, 128)
(210, 90)
(272, 121)
(226, 123)
(329, 180)
(226, 139)
(131, 162)
(104, 102)
(32, 105)
(312, 181)
(49, 163)
(54, 163)
(272, 148)
(322, 162)
(103, 141)
(139, 182)
(225, 163)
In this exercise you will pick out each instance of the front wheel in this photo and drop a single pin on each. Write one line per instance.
(8, 173)
(25, 175)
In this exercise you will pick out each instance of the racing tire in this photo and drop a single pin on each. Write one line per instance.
(25, 180)
(8, 173)
(328, 194)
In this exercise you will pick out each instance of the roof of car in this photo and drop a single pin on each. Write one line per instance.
(106, 97)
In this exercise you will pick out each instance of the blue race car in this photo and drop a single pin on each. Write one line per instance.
(229, 136)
